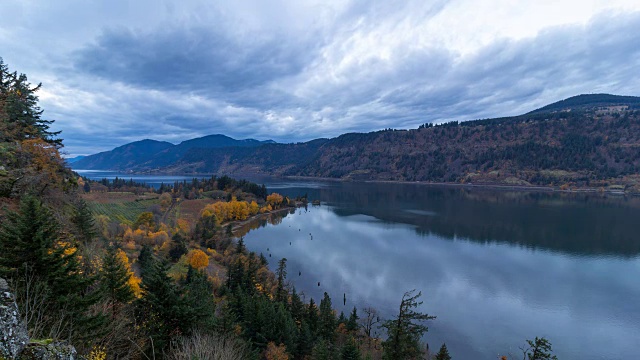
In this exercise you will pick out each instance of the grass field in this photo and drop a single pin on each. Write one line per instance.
(119, 205)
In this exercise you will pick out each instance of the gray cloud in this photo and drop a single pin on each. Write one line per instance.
(294, 72)
(193, 59)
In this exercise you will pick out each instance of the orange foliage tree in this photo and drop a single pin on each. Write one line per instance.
(199, 259)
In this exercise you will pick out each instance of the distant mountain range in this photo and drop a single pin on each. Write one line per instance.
(586, 140)
(153, 154)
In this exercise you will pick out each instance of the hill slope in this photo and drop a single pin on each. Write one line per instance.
(588, 140)
(586, 101)
(147, 153)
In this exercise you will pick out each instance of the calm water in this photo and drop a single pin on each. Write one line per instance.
(495, 267)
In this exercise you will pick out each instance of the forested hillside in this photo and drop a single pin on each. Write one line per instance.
(584, 141)
(124, 271)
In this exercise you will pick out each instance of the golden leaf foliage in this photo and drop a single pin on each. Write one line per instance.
(199, 259)
(134, 281)
(228, 211)
(275, 200)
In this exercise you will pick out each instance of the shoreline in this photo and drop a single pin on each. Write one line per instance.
(492, 186)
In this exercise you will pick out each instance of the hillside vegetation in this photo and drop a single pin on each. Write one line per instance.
(584, 141)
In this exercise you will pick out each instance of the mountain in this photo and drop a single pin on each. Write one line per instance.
(587, 101)
(150, 154)
(123, 157)
(587, 140)
(74, 159)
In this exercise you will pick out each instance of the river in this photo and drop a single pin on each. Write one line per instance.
(495, 267)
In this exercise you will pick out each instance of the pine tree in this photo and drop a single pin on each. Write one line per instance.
(539, 349)
(178, 247)
(406, 330)
(34, 251)
(312, 317)
(321, 351)
(20, 108)
(84, 221)
(161, 310)
(443, 354)
(350, 351)
(115, 279)
(145, 259)
(199, 297)
(281, 273)
(327, 321)
(352, 323)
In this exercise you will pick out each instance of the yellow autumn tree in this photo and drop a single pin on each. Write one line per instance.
(227, 211)
(134, 281)
(254, 208)
(199, 259)
(275, 200)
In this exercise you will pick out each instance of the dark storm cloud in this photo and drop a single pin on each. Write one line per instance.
(193, 59)
(298, 71)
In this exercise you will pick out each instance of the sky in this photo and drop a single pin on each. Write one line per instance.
(118, 71)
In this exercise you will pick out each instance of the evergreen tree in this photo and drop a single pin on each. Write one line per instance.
(350, 351)
(352, 323)
(312, 317)
(84, 221)
(297, 307)
(161, 310)
(34, 252)
(327, 321)
(281, 273)
(178, 247)
(305, 342)
(405, 331)
(342, 319)
(539, 349)
(115, 279)
(145, 258)
(199, 298)
(20, 108)
(443, 354)
(321, 351)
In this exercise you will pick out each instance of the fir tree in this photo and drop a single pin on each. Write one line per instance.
(406, 330)
(115, 279)
(443, 354)
(281, 273)
(312, 317)
(84, 221)
(199, 297)
(352, 323)
(34, 252)
(350, 351)
(327, 321)
(161, 310)
(21, 110)
(145, 259)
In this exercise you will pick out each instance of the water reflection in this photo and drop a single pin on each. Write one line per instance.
(496, 268)
(580, 224)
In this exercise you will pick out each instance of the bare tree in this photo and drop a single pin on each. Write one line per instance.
(369, 321)
(208, 347)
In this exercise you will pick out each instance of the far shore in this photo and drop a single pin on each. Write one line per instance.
(480, 185)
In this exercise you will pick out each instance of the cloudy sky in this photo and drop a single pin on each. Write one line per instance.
(115, 71)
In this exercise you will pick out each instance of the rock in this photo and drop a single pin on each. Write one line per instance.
(14, 338)
(13, 332)
(53, 351)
